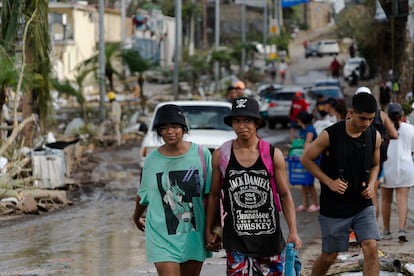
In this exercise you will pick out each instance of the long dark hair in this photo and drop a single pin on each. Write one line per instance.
(396, 119)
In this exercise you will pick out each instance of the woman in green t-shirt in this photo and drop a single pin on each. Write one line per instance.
(175, 178)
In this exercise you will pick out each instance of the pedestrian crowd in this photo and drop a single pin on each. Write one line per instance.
(191, 202)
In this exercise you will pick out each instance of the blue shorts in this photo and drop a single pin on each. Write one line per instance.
(239, 264)
(294, 124)
(335, 231)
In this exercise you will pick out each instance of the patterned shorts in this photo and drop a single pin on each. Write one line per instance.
(239, 264)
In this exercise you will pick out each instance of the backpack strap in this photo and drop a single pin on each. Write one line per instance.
(203, 165)
(264, 149)
(225, 152)
(203, 161)
(267, 158)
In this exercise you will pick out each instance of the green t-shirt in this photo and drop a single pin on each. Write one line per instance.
(173, 188)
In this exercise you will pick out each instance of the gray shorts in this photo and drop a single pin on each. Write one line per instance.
(335, 231)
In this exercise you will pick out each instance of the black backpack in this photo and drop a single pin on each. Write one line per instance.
(385, 139)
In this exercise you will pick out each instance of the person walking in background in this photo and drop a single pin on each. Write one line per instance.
(384, 96)
(232, 93)
(362, 68)
(175, 179)
(348, 170)
(252, 234)
(239, 86)
(308, 133)
(352, 49)
(282, 69)
(113, 123)
(299, 104)
(335, 67)
(398, 173)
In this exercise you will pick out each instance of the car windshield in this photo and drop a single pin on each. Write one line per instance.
(268, 92)
(206, 117)
(326, 83)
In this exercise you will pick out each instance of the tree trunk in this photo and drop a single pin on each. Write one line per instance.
(205, 25)
(27, 111)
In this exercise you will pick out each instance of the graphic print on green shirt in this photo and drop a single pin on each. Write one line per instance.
(177, 194)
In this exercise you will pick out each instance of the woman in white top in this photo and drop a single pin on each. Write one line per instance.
(398, 172)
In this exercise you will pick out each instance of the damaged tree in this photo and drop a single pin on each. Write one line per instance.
(31, 17)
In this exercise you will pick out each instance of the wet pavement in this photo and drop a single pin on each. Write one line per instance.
(95, 236)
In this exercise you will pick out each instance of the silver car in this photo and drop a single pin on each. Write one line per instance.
(206, 125)
(279, 103)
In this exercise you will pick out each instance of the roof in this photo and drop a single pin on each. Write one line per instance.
(198, 103)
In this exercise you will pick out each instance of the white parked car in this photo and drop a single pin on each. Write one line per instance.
(206, 124)
(352, 64)
(328, 47)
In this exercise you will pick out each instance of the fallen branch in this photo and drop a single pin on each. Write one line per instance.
(16, 132)
(56, 195)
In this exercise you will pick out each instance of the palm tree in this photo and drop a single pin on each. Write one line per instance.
(112, 63)
(198, 64)
(68, 88)
(15, 15)
(136, 64)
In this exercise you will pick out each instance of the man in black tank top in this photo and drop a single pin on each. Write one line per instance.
(347, 173)
(252, 235)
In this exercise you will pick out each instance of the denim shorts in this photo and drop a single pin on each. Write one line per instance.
(239, 264)
(335, 231)
(294, 124)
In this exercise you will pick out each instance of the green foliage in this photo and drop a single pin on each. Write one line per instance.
(10, 26)
(281, 41)
(358, 23)
(37, 51)
(9, 74)
(134, 61)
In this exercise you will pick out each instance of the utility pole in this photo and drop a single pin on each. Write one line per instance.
(205, 25)
(191, 43)
(217, 43)
(177, 54)
(102, 88)
(243, 37)
(123, 16)
(265, 30)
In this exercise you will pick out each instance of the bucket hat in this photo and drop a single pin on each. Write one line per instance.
(170, 114)
(245, 106)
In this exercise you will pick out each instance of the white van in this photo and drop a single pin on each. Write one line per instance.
(328, 47)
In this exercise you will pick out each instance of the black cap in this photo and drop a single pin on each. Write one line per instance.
(244, 106)
(170, 114)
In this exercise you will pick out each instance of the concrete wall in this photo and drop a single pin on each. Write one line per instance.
(318, 14)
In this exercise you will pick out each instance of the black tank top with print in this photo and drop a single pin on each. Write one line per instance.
(252, 223)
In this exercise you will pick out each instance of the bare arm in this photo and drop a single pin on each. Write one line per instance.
(139, 210)
(308, 139)
(212, 239)
(369, 192)
(286, 199)
(389, 126)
